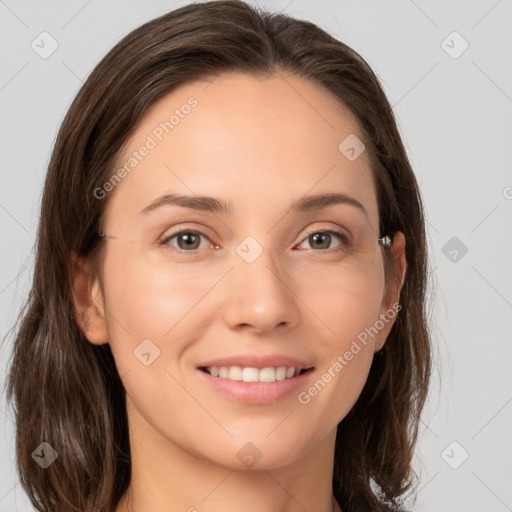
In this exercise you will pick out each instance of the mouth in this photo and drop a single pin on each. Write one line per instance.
(256, 379)
(249, 385)
(251, 374)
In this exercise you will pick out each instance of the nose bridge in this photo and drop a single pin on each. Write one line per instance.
(259, 291)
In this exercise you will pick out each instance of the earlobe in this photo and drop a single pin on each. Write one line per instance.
(88, 302)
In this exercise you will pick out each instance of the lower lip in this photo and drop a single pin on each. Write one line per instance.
(256, 393)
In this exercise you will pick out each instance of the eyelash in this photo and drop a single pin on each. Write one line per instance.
(346, 242)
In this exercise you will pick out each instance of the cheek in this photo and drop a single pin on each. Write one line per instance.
(162, 307)
(134, 297)
(344, 302)
(348, 308)
(145, 303)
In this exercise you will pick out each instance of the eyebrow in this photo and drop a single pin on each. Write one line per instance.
(210, 204)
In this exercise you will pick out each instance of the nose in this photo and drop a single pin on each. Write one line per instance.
(260, 296)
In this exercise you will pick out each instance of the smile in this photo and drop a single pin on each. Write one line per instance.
(249, 374)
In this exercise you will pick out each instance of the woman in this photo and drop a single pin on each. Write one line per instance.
(195, 348)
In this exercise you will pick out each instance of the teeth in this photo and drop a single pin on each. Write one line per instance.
(250, 375)
(253, 374)
(235, 373)
(281, 373)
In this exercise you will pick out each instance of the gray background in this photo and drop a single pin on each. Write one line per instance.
(455, 117)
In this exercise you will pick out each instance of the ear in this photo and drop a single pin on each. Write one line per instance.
(88, 302)
(389, 306)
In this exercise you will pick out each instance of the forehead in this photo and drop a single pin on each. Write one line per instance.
(256, 143)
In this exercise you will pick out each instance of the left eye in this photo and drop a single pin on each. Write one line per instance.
(320, 237)
(191, 240)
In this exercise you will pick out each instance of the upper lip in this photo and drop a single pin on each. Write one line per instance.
(258, 361)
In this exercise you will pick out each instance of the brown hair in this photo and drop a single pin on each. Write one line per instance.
(68, 392)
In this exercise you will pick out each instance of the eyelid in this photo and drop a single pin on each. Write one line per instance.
(182, 228)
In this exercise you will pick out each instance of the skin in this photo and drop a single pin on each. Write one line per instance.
(259, 144)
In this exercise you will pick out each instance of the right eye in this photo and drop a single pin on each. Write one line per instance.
(188, 240)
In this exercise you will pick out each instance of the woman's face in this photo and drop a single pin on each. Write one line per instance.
(257, 285)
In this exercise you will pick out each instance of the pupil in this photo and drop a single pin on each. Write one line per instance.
(189, 240)
(324, 235)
